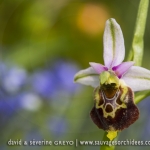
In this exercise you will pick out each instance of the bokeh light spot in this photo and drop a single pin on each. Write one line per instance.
(91, 18)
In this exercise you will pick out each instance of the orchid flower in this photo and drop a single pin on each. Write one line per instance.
(137, 78)
(114, 108)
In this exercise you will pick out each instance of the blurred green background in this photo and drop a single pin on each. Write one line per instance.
(42, 45)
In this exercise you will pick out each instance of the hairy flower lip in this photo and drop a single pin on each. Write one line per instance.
(137, 78)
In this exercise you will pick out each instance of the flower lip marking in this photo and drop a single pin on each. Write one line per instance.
(109, 94)
(108, 108)
(120, 116)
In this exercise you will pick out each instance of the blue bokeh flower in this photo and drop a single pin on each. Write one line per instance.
(57, 126)
(65, 72)
(44, 83)
(13, 79)
(51, 81)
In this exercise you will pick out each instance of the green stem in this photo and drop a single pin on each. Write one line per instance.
(139, 96)
(106, 147)
(136, 52)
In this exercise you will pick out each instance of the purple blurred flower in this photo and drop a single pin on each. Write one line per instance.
(13, 79)
(9, 106)
(33, 134)
(58, 126)
(3, 69)
(30, 101)
(144, 106)
(65, 72)
(44, 83)
(51, 81)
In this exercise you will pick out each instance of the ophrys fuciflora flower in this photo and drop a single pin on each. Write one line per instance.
(114, 108)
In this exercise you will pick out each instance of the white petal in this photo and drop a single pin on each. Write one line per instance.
(87, 77)
(114, 50)
(137, 78)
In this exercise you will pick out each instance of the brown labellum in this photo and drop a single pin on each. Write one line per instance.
(114, 108)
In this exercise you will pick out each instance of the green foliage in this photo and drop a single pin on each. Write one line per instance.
(34, 33)
(136, 53)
